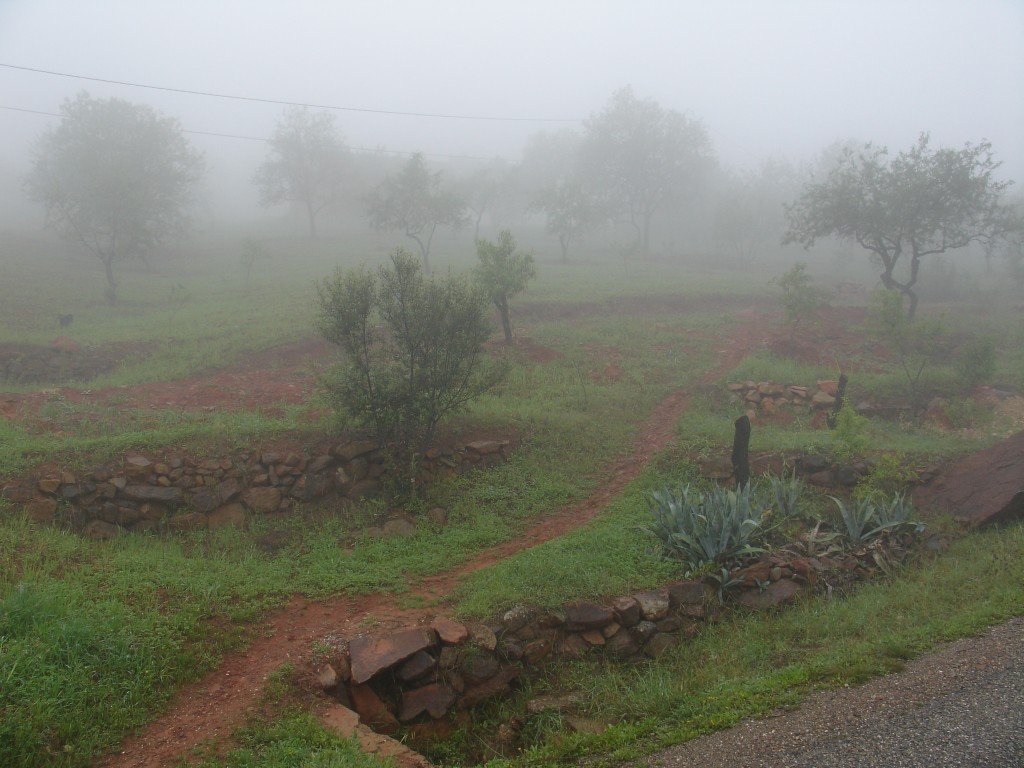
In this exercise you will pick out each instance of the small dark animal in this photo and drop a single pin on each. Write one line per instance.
(65, 320)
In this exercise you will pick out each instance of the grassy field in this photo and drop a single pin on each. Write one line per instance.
(96, 636)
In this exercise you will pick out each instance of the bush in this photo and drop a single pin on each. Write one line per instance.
(705, 528)
(976, 362)
(412, 352)
(801, 299)
(849, 437)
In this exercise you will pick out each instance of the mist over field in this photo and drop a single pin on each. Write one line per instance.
(779, 80)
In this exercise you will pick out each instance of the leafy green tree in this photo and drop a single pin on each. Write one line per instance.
(116, 177)
(412, 350)
(569, 210)
(639, 157)
(307, 163)
(503, 272)
(415, 202)
(921, 202)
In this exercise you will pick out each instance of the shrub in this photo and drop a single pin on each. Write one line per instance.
(412, 351)
(704, 528)
(849, 438)
(976, 362)
(801, 299)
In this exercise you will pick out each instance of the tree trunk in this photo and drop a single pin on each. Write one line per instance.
(312, 220)
(563, 240)
(740, 451)
(108, 265)
(832, 419)
(506, 321)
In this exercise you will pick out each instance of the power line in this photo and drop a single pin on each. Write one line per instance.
(369, 150)
(292, 103)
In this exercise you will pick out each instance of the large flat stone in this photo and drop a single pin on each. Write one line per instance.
(434, 699)
(585, 615)
(981, 489)
(153, 493)
(373, 654)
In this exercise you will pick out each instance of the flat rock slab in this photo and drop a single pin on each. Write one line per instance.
(981, 489)
(373, 654)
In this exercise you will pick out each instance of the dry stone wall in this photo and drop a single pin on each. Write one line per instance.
(177, 493)
(418, 675)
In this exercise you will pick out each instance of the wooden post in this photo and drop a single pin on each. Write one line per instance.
(740, 451)
(837, 406)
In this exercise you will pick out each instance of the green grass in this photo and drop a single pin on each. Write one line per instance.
(750, 665)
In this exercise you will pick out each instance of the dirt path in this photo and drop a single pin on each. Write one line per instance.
(206, 712)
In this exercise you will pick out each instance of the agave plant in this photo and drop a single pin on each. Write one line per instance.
(866, 518)
(704, 528)
(784, 492)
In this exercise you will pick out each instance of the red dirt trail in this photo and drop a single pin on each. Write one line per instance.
(206, 712)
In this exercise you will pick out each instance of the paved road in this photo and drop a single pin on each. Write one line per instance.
(961, 706)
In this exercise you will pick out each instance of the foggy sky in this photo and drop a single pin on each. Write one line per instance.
(782, 78)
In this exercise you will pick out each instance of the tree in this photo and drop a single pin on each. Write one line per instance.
(415, 203)
(749, 213)
(483, 190)
(923, 201)
(503, 272)
(116, 177)
(640, 157)
(307, 163)
(569, 210)
(412, 351)
(801, 299)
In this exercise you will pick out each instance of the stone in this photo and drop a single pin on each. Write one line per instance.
(363, 489)
(984, 488)
(205, 500)
(670, 624)
(434, 699)
(496, 686)
(643, 631)
(829, 386)
(627, 611)
(777, 593)
(593, 637)
(621, 645)
(449, 631)
(581, 614)
(653, 604)
(682, 593)
(753, 575)
(537, 650)
(372, 710)
(438, 516)
(416, 667)
(319, 464)
(477, 669)
(373, 654)
(449, 657)
(511, 648)
(97, 530)
(48, 485)
(353, 449)
(153, 493)
(399, 528)
(341, 720)
(310, 487)
(716, 468)
(612, 629)
(190, 521)
(263, 500)
(516, 618)
(564, 702)
(659, 644)
(42, 510)
(823, 400)
(484, 637)
(484, 447)
(137, 465)
(326, 677)
(846, 475)
(229, 515)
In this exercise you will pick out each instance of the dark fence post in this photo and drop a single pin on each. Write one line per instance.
(837, 406)
(740, 451)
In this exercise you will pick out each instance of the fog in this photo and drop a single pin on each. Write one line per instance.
(777, 79)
